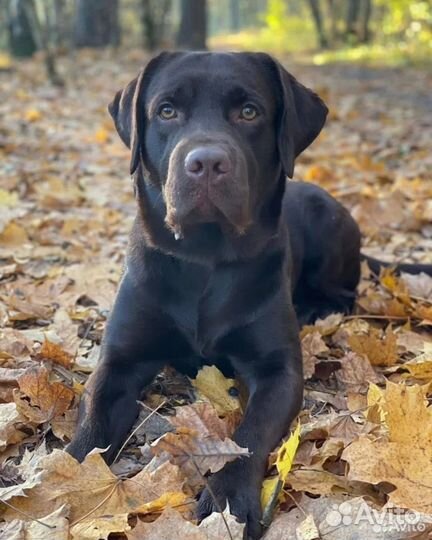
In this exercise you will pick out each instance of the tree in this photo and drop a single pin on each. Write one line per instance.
(153, 17)
(364, 33)
(317, 17)
(22, 41)
(193, 25)
(97, 23)
(352, 16)
(235, 15)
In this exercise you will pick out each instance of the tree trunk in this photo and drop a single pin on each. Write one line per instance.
(193, 26)
(331, 8)
(352, 17)
(153, 18)
(316, 14)
(235, 15)
(97, 23)
(364, 28)
(22, 41)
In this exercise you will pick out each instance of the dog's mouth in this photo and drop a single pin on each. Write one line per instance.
(206, 183)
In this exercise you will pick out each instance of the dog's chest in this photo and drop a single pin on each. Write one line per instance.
(200, 303)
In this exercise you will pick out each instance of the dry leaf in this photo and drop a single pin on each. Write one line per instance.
(10, 420)
(205, 453)
(404, 459)
(380, 351)
(55, 526)
(100, 528)
(91, 486)
(169, 526)
(202, 418)
(213, 386)
(47, 399)
(55, 353)
(312, 346)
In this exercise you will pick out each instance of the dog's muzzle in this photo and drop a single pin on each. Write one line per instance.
(206, 182)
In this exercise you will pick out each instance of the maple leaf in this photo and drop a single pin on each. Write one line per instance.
(404, 458)
(217, 389)
(206, 453)
(47, 399)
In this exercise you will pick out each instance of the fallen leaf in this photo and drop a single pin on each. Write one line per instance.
(47, 399)
(379, 350)
(213, 386)
(100, 528)
(10, 420)
(55, 526)
(55, 353)
(312, 346)
(404, 459)
(205, 453)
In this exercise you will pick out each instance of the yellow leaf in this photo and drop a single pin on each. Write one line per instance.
(8, 198)
(214, 387)
(380, 351)
(268, 489)
(5, 61)
(173, 499)
(13, 235)
(284, 461)
(32, 115)
(375, 399)
(286, 453)
(404, 458)
(101, 135)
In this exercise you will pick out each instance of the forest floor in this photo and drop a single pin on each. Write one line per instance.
(362, 466)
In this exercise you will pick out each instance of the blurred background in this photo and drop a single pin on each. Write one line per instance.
(320, 31)
(67, 206)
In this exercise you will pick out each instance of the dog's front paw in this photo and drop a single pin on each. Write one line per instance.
(242, 496)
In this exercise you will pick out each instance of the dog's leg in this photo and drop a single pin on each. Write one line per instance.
(273, 375)
(109, 405)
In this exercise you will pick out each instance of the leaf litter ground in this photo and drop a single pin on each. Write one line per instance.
(66, 207)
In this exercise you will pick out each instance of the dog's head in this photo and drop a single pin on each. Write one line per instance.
(215, 132)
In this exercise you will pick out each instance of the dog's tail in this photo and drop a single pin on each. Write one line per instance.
(375, 265)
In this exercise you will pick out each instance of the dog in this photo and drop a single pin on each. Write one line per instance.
(226, 257)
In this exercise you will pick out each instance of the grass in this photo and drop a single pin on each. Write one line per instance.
(300, 40)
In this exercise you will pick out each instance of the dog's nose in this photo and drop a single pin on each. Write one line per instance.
(207, 162)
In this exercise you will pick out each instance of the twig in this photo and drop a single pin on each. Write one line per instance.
(154, 411)
(27, 515)
(212, 495)
(384, 317)
(103, 501)
(295, 502)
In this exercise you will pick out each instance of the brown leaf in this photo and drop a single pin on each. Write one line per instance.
(379, 350)
(312, 346)
(206, 453)
(202, 418)
(168, 526)
(47, 399)
(55, 526)
(10, 420)
(91, 486)
(356, 372)
(55, 353)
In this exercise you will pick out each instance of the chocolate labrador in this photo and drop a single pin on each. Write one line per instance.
(225, 255)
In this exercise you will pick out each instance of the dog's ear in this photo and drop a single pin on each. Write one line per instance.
(128, 110)
(301, 116)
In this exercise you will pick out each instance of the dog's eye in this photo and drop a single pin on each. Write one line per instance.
(249, 112)
(167, 112)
